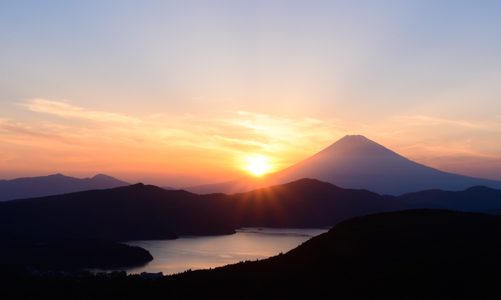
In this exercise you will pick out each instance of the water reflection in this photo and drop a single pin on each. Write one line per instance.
(173, 256)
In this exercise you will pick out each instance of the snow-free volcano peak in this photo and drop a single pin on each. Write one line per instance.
(357, 162)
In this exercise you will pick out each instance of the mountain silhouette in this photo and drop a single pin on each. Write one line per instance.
(359, 163)
(141, 212)
(477, 199)
(55, 184)
(126, 213)
(148, 212)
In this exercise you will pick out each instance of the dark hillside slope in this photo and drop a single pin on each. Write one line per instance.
(148, 212)
(475, 199)
(408, 254)
(127, 213)
(307, 203)
(415, 254)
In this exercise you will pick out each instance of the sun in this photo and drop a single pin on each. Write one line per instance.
(257, 165)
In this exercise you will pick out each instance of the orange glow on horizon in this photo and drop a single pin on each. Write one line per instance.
(215, 146)
(171, 150)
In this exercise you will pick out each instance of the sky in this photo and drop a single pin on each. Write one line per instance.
(187, 92)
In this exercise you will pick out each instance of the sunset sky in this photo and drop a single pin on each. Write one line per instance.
(186, 92)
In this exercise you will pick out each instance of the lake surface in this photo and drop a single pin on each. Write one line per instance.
(174, 256)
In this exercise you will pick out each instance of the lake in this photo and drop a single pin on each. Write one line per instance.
(174, 256)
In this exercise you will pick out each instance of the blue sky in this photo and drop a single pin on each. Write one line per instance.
(421, 77)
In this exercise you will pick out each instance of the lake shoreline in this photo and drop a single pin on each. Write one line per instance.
(204, 252)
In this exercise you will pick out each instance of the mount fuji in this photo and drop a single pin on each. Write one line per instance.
(356, 162)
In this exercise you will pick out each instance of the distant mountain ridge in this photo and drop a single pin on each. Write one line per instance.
(358, 163)
(29, 187)
(141, 212)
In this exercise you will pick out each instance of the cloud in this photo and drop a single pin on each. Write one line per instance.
(165, 141)
(423, 120)
(66, 110)
(438, 140)
(218, 141)
(16, 130)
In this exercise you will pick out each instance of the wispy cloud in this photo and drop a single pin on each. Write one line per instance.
(17, 130)
(442, 141)
(167, 141)
(424, 120)
(275, 133)
(218, 141)
(66, 110)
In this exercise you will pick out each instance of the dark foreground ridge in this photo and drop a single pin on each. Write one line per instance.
(69, 255)
(417, 254)
(142, 212)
